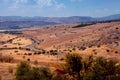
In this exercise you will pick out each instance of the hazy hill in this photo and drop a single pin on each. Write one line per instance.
(23, 24)
(60, 19)
(7, 22)
(111, 17)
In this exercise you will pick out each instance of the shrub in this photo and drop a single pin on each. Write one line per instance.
(73, 64)
(45, 73)
(23, 71)
(107, 50)
(28, 59)
(61, 59)
(82, 48)
(103, 68)
(29, 54)
(53, 52)
(116, 52)
(117, 28)
(98, 46)
(57, 77)
(35, 74)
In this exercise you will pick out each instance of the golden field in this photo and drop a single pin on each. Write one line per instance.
(100, 39)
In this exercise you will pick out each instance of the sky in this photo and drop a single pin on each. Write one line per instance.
(59, 8)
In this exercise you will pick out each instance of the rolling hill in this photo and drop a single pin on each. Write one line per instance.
(8, 22)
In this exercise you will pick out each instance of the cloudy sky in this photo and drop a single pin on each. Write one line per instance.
(58, 8)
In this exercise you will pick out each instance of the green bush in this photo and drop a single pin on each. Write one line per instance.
(45, 73)
(73, 65)
(23, 71)
(57, 77)
(35, 74)
(103, 68)
(75, 68)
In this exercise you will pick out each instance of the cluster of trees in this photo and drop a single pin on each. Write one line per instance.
(51, 52)
(75, 68)
(91, 68)
(26, 72)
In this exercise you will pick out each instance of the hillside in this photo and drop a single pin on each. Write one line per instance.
(48, 45)
(100, 36)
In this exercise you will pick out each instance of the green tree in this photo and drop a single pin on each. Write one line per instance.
(103, 68)
(73, 65)
(35, 74)
(23, 71)
(45, 73)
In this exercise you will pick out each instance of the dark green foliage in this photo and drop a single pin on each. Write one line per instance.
(53, 52)
(73, 64)
(57, 77)
(75, 68)
(23, 71)
(103, 68)
(45, 73)
(87, 76)
(35, 74)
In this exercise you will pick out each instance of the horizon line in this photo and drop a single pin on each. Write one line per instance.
(56, 16)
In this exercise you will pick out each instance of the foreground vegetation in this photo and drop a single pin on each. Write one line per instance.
(74, 68)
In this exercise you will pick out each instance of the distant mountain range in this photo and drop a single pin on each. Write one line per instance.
(18, 21)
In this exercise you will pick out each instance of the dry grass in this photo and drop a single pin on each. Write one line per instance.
(97, 39)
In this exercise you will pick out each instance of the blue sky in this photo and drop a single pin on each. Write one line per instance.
(59, 8)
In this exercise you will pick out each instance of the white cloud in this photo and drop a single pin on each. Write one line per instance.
(15, 4)
(50, 3)
(44, 3)
(60, 6)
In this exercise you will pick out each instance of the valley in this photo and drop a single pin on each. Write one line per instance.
(47, 46)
